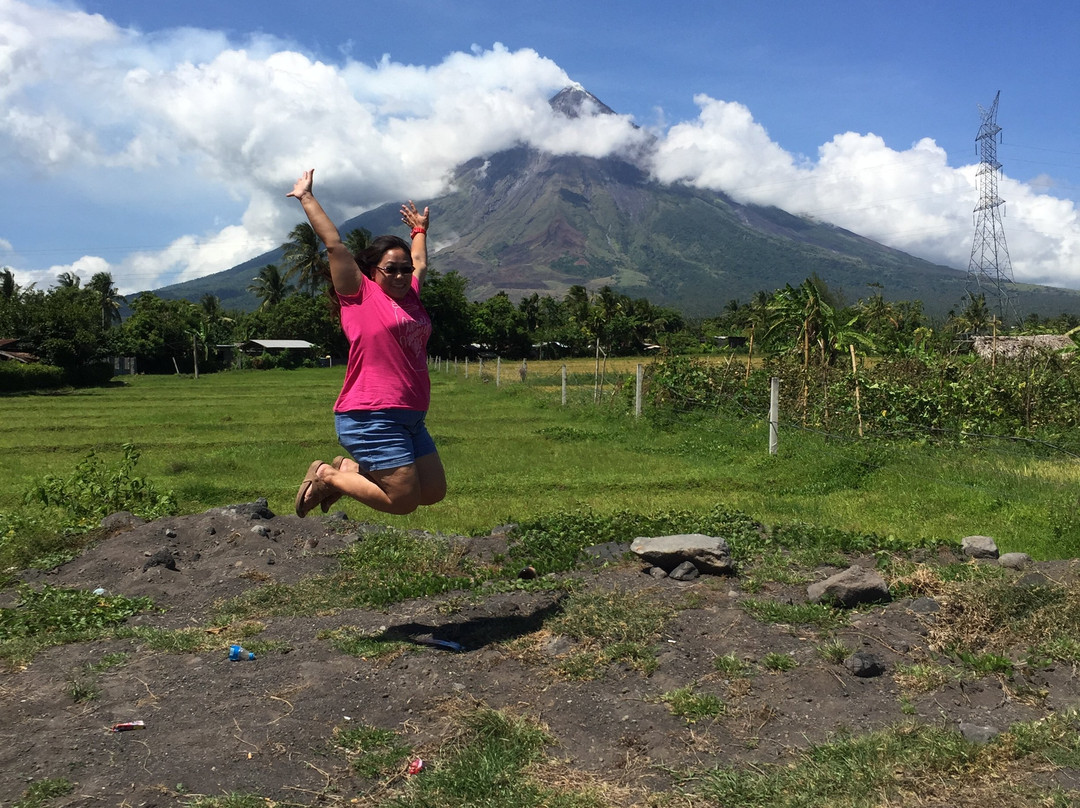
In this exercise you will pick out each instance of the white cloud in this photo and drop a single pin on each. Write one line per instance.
(81, 97)
(911, 200)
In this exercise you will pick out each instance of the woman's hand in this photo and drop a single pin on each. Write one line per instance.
(413, 217)
(303, 185)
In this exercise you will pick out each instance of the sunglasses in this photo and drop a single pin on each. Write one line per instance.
(396, 269)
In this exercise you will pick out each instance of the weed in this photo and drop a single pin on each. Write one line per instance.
(355, 642)
(922, 677)
(685, 703)
(83, 689)
(372, 752)
(94, 490)
(834, 652)
(234, 800)
(488, 764)
(815, 614)
(731, 666)
(39, 793)
(778, 663)
(54, 616)
(982, 664)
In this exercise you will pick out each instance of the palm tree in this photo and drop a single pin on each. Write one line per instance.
(305, 257)
(8, 287)
(358, 240)
(68, 280)
(109, 300)
(270, 286)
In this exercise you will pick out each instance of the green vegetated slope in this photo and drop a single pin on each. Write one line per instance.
(512, 452)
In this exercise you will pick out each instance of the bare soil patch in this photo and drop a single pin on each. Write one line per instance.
(266, 726)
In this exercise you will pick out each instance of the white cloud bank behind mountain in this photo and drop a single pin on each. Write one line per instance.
(114, 130)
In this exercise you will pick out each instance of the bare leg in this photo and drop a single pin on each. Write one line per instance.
(394, 491)
(432, 476)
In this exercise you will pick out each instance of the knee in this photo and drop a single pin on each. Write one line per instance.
(432, 491)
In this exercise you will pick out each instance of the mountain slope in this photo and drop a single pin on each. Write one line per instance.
(523, 221)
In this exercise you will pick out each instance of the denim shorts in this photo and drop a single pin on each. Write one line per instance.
(384, 439)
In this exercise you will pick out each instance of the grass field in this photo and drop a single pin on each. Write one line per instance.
(512, 452)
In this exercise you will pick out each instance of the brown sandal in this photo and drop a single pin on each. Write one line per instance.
(311, 484)
(334, 497)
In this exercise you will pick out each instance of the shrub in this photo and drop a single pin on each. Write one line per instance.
(16, 377)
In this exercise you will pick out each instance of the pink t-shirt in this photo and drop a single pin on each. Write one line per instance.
(387, 366)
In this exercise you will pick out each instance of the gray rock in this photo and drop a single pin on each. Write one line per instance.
(259, 509)
(657, 572)
(710, 554)
(162, 558)
(121, 520)
(864, 664)
(557, 645)
(979, 547)
(260, 530)
(170, 533)
(851, 587)
(1015, 561)
(684, 572)
(978, 734)
(925, 606)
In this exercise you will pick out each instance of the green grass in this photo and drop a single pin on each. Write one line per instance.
(880, 768)
(813, 614)
(685, 703)
(41, 793)
(513, 453)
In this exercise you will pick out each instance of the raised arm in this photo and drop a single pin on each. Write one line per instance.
(418, 225)
(344, 271)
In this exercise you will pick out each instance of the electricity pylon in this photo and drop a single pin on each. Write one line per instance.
(990, 270)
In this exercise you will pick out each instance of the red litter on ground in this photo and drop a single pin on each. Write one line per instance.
(416, 766)
(124, 726)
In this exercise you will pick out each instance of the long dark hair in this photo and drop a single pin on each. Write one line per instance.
(370, 257)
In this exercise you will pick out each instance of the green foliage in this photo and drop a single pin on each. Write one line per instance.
(814, 614)
(40, 793)
(554, 543)
(778, 663)
(488, 765)
(52, 616)
(912, 758)
(94, 490)
(355, 642)
(16, 377)
(730, 665)
(66, 612)
(685, 703)
(372, 752)
(387, 567)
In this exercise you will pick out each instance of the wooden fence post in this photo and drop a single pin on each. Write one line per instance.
(637, 392)
(774, 414)
(858, 403)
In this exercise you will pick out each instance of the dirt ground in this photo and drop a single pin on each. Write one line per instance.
(214, 727)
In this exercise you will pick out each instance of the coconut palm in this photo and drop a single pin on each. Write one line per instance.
(358, 240)
(270, 286)
(68, 280)
(305, 257)
(8, 287)
(108, 298)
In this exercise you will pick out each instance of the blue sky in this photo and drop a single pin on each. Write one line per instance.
(156, 140)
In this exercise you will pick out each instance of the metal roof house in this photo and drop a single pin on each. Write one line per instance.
(273, 346)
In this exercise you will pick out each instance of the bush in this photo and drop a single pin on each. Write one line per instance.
(16, 377)
(94, 490)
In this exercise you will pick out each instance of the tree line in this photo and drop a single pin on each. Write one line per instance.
(79, 328)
